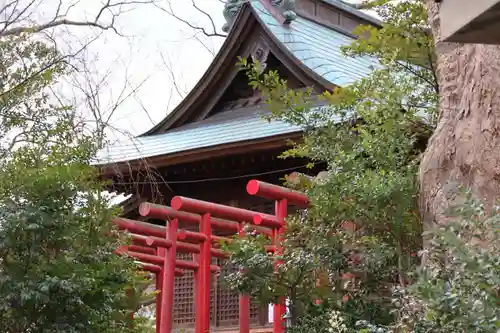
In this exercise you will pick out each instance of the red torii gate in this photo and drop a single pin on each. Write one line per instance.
(156, 247)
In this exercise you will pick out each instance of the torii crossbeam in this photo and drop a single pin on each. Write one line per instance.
(156, 247)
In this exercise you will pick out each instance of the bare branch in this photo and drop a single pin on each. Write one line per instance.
(15, 17)
(213, 33)
(53, 24)
(205, 14)
(21, 13)
(209, 49)
(7, 6)
(168, 66)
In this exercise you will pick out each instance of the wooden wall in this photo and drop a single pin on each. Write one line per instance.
(328, 15)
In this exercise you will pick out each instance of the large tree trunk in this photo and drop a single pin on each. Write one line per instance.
(465, 148)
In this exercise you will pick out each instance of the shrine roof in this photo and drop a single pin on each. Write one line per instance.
(237, 125)
(314, 47)
(317, 47)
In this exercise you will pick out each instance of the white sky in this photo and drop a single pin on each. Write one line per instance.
(161, 51)
(161, 54)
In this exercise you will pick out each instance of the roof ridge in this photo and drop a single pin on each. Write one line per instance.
(282, 10)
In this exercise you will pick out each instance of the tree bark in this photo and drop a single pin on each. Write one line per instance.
(465, 148)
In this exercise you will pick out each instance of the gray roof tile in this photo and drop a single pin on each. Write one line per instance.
(233, 126)
(316, 46)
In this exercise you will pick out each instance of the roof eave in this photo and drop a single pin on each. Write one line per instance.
(125, 167)
(241, 22)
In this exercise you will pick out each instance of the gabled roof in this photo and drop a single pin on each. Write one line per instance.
(317, 47)
(315, 50)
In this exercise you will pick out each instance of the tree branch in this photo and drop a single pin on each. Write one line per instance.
(41, 27)
(214, 33)
(57, 20)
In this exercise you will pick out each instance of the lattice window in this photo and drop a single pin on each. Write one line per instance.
(224, 311)
(213, 297)
(184, 296)
(228, 303)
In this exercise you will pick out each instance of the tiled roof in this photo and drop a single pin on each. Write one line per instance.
(243, 124)
(317, 47)
(314, 45)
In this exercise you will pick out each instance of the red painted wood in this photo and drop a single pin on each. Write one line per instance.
(141, 228)
(139, 239)
(142, 249)
(167, 302)
(244, 301)
(244, 313)
(237, 214)
(151, 268)
(216, 240)
(166, 212)
(192, 236)
(275, 192)
(156, 260)
(159, 286)
(204, 274)
(280, 308)
(156, 247)
(197, 301)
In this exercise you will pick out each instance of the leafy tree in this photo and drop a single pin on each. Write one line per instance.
(58, 267)
(458, 288)
(28, 69)
(361, 236)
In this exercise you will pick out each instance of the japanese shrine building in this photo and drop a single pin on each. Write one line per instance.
(216, 140)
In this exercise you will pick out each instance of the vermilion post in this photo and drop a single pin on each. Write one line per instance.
(280, 308)
(167, 302)
(204, 271)
(244, 308)
(197, 302)
(159, 286)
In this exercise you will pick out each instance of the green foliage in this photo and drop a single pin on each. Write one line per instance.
(27, 112)
(296, 276)
(58, 269)
(369, 135)
(459, 290)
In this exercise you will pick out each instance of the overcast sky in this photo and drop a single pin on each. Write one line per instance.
(161, 56)
(169, 55)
